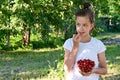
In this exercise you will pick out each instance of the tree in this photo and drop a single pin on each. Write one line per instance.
(6, 12)
(48, 17)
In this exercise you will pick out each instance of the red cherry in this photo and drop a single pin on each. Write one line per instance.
(85, 65)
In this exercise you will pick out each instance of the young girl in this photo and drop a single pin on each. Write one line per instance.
(83, 46)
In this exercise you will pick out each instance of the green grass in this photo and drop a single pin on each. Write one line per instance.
(47, 64)
(113, 58)
(29, 64)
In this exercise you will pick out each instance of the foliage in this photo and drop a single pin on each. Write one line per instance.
(43, 18)
(3, 38)
(115, 23)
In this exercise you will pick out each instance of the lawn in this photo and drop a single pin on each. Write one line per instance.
(30, 64)
(113, 62)
(47, 64)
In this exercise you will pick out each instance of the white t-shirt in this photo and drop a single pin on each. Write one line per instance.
(88, 50)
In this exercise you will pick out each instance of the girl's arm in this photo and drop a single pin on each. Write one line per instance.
(69, 59)
(102, 64)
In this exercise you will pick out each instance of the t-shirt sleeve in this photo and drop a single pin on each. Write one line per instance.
(101, 47)
(68, 44)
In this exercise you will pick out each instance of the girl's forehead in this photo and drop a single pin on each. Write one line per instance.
(82, 19)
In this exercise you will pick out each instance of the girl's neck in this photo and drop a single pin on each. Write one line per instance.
(86, 39)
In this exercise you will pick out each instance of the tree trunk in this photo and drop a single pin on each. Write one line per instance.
(8, 36)
(8, 39)
(26, 36)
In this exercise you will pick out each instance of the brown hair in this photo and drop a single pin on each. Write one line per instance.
(86, 11)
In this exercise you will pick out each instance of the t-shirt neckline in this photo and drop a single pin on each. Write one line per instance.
(87, 42)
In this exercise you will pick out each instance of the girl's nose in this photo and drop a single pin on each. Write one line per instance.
(81, 28)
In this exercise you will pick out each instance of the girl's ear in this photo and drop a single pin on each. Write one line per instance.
(92, 26)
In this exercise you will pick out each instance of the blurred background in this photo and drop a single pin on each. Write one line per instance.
(48, 23)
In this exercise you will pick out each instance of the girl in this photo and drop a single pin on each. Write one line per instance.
(84, 46)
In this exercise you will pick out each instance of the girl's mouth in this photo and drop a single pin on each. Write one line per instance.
(81, 33)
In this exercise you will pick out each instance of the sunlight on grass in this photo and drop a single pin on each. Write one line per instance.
(24, 73)
(113, 69)
(47, 49)
(6, 58)
(118, 57)
(37, 50)
(108, 35)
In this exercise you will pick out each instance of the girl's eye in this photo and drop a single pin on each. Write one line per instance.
(81, 25)
(85, 25)
(78, 24)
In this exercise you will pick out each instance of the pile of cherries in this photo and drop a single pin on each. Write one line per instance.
(86, 65)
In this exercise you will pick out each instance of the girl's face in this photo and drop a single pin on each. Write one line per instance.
(83, 25)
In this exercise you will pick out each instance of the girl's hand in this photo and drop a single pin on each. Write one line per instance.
(85, 74)
(76, 40)
(88, 73)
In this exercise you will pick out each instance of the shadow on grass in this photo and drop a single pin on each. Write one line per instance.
(112, 77)
(28, 64)
(113, 54)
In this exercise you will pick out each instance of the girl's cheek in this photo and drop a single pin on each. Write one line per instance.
(77, 29)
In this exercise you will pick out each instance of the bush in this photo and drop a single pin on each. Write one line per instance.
(115, 24)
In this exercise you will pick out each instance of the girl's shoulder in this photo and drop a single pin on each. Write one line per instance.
(97, 41)
(69, 40)
(68, 44)
(100, 47)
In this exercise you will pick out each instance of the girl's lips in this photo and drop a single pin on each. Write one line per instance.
(81, 33)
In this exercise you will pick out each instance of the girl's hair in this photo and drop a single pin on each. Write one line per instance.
(86, 11)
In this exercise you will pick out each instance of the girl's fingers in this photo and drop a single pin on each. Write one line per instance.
(85, 74)
(78, 37)
(74, 35)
